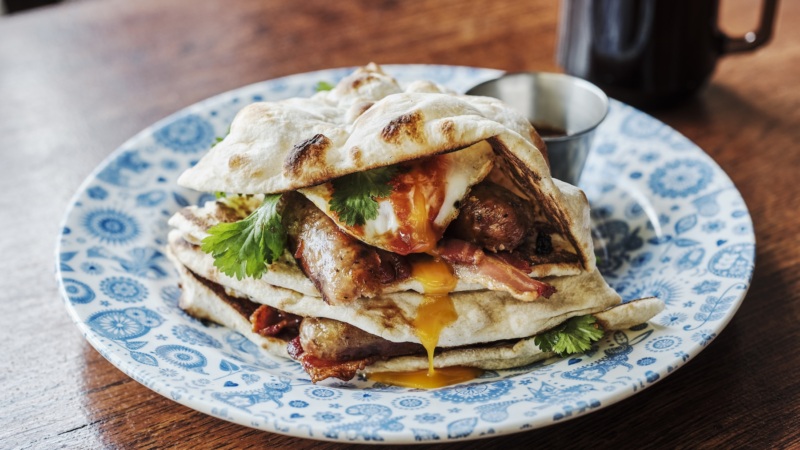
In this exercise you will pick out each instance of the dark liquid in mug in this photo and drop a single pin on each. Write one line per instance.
(644, 52)
(548, 131)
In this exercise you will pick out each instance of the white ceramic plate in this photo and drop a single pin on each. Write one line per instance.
(668, 222)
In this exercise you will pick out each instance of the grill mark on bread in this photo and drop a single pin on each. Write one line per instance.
(225, 213)
(237, 161)
(307, 153)
(191, 217)
(390, 313)
(222, 214)
(407, 125)
(447, 128)
(357, 154)
(360, 81)
(364, 107)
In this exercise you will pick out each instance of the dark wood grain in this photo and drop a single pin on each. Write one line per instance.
(78, 79)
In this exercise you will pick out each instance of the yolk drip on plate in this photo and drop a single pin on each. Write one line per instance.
(434, 313)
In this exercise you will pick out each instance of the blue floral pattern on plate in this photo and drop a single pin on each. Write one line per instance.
(667, 221)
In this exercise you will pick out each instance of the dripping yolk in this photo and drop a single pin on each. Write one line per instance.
(421, 229)
(434, 313)
(436, 310)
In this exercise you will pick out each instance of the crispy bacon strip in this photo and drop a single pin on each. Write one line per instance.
(320, 369)
(456, 251)
(268, 321)
(471, 259)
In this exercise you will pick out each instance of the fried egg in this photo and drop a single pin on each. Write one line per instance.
(424, 200)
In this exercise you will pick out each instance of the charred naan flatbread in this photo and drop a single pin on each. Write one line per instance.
(293, 144)
(484, 342)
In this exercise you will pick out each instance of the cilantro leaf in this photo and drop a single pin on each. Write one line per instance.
(354, 196)
(244, 248)
(219, 139)
(573, 336)
(324, 86)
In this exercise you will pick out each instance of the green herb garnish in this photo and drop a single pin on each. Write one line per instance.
(219, 139)
(355, 196)
(244, 248)
(573, 336)
(324, 86)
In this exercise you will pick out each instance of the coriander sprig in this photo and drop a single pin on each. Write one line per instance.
(323, 86)
(246, 247)
(573, 336)
(355, 196)
(219, 139)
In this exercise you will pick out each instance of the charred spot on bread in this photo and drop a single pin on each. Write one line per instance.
(302, 155)
(447, 127)
(407, 125)
(237, 161)
(357, 155)
(360, 81)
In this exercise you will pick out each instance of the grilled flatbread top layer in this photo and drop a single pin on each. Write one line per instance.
(367, 122)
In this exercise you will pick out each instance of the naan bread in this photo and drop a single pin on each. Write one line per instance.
(367, 122)
(483, 316)
(203, 302)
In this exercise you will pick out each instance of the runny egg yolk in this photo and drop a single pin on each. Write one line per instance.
(420, 225)
(436, 310)
(434, 313)
(417, 197)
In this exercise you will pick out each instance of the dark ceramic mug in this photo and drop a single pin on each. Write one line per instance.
(649, 52)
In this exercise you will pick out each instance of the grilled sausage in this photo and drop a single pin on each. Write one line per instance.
(332, 340)
(492, 217)
(340, 266)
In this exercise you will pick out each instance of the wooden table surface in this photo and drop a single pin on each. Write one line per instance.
(78, 79)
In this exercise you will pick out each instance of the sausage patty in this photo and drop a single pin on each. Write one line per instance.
(340, 266)
(492, 217)
(332, 340)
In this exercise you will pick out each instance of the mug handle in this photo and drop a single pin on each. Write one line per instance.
(753, 39)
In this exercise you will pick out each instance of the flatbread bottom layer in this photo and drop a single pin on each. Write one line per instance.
(202, 301)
